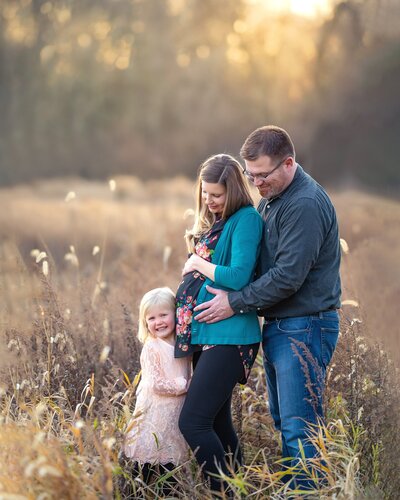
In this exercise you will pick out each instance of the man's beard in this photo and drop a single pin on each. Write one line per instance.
(268, 192)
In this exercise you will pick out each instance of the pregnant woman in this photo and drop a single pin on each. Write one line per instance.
(223, 244)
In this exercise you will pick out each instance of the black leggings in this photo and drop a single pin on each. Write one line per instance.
(205, 420)
(147, 471)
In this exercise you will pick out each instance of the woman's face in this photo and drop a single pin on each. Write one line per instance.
(214, 196)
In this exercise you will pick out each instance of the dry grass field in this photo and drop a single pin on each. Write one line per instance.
(69, 357)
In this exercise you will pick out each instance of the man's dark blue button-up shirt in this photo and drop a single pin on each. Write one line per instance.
(298, 271)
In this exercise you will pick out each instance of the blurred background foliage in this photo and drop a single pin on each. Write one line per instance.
(93, 88)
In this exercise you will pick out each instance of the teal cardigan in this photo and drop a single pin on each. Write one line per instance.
(235, 257)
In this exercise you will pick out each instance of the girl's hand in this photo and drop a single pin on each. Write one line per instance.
(181, 383)
(191, 264)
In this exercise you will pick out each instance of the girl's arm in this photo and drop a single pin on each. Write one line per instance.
(161, 384)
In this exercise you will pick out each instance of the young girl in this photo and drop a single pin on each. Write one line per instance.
(153, 436)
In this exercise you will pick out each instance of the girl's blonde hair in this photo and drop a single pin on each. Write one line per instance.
(156, 297)
(218, 169)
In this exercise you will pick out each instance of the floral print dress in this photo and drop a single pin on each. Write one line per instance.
(186, 301)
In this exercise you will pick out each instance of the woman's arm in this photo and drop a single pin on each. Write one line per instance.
(244, 251)
(196, 263)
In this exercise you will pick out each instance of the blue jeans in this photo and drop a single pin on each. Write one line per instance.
(297, 352)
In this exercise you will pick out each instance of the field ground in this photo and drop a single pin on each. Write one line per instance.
(139, 228)
(63, 312)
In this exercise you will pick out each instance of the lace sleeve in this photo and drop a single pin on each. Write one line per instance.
(161, 384)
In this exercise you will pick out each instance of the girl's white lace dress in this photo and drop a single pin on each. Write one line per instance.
(153, 435)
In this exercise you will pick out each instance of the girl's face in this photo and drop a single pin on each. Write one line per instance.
(160, 320)
(214, 196)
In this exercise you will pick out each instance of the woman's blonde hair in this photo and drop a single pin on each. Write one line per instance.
(218, 169)
(156, 297)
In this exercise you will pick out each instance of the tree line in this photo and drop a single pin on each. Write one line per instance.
(151, 87)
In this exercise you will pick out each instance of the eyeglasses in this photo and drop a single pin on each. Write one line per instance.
(262, 177)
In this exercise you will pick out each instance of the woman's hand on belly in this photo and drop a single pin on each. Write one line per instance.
(196, 263)
(190, 264)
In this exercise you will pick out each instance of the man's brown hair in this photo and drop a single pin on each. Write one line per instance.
(270, 141)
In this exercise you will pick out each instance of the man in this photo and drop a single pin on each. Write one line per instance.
(298, 288)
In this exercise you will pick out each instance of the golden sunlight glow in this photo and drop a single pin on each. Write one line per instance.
(307, 8)
(20, 31)
(183, 59)
(176, 7)
(203, 51)
(310, 7)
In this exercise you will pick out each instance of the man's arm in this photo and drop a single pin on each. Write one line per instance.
(301, 234)
(302, 230)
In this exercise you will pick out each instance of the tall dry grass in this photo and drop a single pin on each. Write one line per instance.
(68, 315)
(371, 271)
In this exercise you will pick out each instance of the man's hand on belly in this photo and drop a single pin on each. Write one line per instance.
(216, 309)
